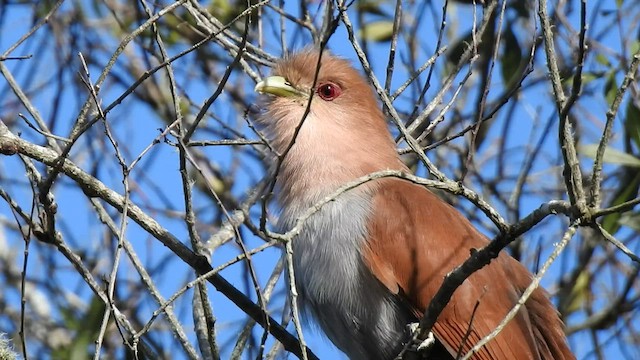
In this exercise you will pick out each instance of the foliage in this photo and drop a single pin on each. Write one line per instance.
(131, 165)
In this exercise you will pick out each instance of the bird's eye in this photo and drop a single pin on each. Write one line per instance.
(328, 91)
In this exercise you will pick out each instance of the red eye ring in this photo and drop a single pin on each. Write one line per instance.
(328, 91)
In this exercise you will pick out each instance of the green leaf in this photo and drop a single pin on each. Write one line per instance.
(635, 46)
(631, 221)
(580, 292)
(589, 77)
(512, 56)
(458, 48)
(611, 155)
(610, 88)
(370, 7)
(378, 31)
(603, 60)
(627, 191)
(521, 8)
(86, 327)
(632, 123)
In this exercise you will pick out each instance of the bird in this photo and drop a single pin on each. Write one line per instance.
(368, 263)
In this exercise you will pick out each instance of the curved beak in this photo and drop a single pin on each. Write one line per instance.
(278, 86)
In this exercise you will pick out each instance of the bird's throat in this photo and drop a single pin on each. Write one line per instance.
(327, 151)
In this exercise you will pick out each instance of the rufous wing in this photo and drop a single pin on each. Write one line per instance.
(415, 239)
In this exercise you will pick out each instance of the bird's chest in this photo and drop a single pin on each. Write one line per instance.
(334, 284)
(327, 253)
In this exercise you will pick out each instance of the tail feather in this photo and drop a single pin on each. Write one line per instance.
(548, 329)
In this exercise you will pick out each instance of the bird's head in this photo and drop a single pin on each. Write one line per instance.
(341, 134)
(341, 99)
(294, 79)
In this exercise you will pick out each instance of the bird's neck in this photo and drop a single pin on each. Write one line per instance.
(318, 164)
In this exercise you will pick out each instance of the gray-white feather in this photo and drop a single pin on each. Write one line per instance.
(354, 309)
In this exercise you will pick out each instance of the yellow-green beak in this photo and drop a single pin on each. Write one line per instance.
(278, 86)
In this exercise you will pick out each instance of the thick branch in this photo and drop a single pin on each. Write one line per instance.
(11, 144)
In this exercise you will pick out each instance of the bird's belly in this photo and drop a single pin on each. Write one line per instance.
(336, 288)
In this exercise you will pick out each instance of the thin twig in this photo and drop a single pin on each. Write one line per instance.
(572, 172)
(596, 177)
(91, 185)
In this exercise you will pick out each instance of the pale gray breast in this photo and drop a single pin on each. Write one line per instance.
(358, 314)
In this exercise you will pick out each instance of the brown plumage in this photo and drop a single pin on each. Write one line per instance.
(369, 262)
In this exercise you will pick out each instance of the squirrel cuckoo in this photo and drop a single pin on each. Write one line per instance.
(368, 263)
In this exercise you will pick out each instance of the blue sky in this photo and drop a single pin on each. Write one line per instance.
(136, 127)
